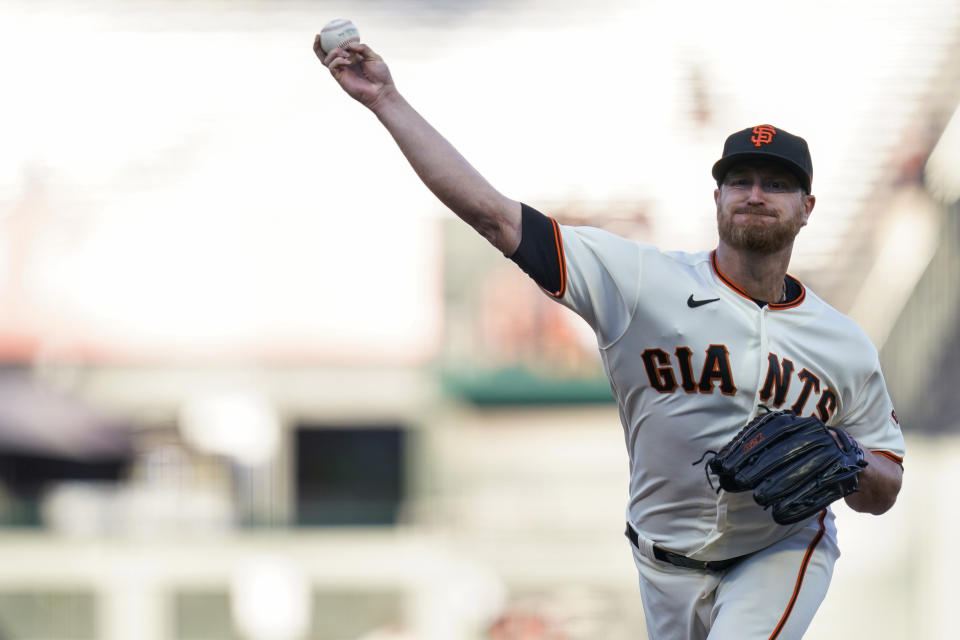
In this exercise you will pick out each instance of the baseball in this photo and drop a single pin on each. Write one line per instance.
(338, 33)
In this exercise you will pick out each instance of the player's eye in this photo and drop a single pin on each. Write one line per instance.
(777, 186)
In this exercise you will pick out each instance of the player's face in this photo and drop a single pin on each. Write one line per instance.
(761, 208)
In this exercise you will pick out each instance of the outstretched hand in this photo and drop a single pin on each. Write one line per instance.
(359, 70)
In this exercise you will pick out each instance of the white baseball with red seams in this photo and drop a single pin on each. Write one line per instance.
(338, 33)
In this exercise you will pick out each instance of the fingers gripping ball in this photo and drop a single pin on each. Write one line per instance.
(338, 33)
(791, 464)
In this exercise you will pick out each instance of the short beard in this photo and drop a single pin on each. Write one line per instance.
(757, 238)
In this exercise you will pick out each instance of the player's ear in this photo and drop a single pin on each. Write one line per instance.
(808, 202)
(716, 196)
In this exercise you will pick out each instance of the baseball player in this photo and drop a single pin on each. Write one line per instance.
(694, 345)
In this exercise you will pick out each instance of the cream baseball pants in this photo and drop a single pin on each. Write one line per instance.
(771, 595)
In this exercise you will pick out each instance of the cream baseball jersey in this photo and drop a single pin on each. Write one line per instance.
(691, 358)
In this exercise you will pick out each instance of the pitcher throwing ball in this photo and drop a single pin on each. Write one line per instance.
(748, 403)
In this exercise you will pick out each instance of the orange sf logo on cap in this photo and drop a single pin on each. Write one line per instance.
(763, 135)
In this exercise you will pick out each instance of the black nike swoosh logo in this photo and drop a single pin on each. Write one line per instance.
(693, 304)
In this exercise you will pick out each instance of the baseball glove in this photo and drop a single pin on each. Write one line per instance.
(790, 463)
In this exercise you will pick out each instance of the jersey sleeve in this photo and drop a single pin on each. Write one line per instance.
(872, 420)
(540, 254)
(593, 272)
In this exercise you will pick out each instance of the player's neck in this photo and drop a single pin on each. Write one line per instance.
(761, 276)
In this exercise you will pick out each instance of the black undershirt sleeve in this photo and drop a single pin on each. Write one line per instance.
(540, 253)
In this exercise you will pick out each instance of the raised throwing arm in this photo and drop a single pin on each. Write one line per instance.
(364, 76)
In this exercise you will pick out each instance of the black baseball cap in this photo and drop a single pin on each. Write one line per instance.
(766, 141)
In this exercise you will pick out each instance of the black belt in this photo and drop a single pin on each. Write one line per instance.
(683, 561)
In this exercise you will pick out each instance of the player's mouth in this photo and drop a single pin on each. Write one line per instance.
(753, 211)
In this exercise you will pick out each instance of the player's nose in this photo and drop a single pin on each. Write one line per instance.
(756, 194)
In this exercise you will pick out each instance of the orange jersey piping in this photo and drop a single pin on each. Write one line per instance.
(887, 454)
(776, 306)
(803, 570)
(558, 239)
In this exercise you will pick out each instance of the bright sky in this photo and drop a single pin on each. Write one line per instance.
(208, 188)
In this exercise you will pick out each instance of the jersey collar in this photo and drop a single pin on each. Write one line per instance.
(776, 306)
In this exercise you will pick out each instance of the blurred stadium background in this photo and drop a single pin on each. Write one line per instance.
(256, 383)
